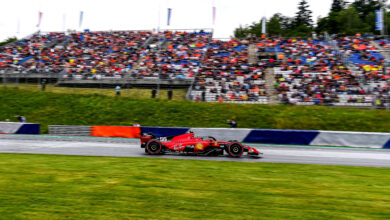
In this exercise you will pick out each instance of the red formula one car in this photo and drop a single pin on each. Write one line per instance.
(190, 145)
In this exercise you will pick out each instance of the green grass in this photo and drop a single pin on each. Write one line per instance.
(48, 108)
(58, 187)
(178, 94)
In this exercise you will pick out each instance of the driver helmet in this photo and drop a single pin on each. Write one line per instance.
(191, 131)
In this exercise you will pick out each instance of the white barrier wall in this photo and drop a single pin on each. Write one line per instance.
(352, 139)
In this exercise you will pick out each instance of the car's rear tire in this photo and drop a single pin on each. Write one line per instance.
(154, 148)
(235, 150)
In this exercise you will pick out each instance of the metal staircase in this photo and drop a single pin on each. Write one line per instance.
(272, 93)
(385, 53)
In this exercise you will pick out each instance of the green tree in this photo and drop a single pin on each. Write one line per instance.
(241, 32)
(323, 25)
(365, 7)
(288, 26)
(338, 5)
(256, 29)
(9, 40)
(274, 26)
(351, 22)
(304, 15)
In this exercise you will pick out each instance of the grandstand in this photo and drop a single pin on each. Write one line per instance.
(346, 71)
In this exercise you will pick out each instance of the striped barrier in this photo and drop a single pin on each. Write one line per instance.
(285, 137)
(19, 128)
(263, 136)
(352, 139)
(291, 137)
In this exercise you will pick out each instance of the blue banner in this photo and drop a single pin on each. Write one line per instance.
(292, 137)
(379, 20)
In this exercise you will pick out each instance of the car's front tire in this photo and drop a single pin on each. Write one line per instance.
(235, 150)
(154, 148)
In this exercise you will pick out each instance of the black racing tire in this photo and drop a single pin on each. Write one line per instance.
(154, 147)
(232, 141)
(235, 150)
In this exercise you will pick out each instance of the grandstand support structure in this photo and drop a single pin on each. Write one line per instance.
(272, 94)
(135, 67)
(252, 53)
(141, 59)
(162, 46)
(190, 89)
(385, 53)
(333, 43)
(63, 44)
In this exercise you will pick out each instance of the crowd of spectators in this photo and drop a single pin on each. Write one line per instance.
(86, 53)
(176, 55)
(33, 55)
(361, 50)
(308, 71)
(313, 73)
(106, 53)
(227, 75)
(295, 86)
(371, 64)
(364, 55)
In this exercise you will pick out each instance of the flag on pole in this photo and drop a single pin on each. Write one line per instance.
(169, 16)
(379, 20)
(264, 26)
(214, 14)
(18, 27)
(63, 22)
(81, 18)
(39, 19)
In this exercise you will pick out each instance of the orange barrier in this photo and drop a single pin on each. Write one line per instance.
(116, 131)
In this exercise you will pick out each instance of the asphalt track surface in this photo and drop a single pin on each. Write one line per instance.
(117, 147)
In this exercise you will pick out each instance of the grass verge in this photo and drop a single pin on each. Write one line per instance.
(178, 94)
(57, 187)
(48, 108)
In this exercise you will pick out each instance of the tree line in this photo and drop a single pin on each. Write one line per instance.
(7, 41)
(344, 18)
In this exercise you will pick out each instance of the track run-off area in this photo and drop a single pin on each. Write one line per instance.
(119, 147)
